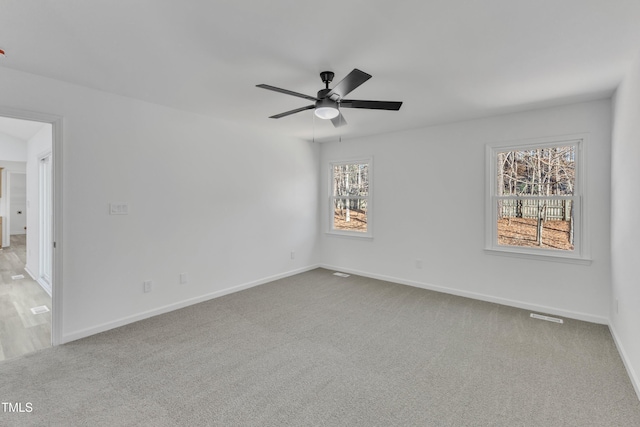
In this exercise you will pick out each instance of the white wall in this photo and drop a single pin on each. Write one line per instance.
(8, 167)
(12, 149)
(218, 200)
(444, 225)
(39, 145)
(625, 215)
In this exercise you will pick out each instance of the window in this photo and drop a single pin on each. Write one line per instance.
(535, 200)
(350, 198)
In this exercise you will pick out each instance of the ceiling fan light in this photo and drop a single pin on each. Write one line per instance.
(326, 109)
(327, 112)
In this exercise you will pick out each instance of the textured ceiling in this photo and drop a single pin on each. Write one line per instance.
(448, 60)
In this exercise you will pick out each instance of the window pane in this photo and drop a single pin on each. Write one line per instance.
(539, 172)
(350, 214)
(541, 223)
(351, 180)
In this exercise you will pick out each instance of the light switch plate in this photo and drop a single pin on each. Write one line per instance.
(118, 208)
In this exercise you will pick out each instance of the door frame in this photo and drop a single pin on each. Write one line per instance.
(57, 222)
(44, 209)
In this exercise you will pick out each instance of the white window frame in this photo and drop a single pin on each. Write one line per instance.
(580, 254)
(331, 198)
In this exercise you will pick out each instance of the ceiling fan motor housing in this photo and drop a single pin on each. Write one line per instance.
(322, 93)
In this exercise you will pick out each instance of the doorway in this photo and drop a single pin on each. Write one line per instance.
(28, 291)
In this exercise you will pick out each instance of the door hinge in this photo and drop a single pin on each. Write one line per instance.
(54, 245)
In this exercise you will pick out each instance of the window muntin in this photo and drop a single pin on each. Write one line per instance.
(536, 198)
(350, 198)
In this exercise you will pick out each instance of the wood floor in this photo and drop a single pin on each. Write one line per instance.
(21, 331)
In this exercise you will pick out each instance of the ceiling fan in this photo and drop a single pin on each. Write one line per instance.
(328, 102)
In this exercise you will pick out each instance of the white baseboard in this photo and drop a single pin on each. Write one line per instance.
(635, 380)
(473, 295)
(29, 272)
(83, 333)
(44, 285)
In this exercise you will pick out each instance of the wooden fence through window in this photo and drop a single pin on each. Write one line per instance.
(549, 209)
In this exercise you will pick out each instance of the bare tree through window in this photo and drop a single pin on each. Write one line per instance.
(535, 196)
(350, 196)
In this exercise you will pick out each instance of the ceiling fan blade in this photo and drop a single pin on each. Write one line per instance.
(371, 105)
(349, 83)
(338, 121)
(297, 110)
(288, 92)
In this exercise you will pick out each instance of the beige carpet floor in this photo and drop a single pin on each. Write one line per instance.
(320, 350)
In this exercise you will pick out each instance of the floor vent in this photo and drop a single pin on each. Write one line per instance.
(337, 273)
(547, 318)
(40, 310)
(18, 277)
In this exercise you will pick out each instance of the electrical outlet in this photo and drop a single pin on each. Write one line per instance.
(293, 254)
(419, 263)
(184, 278)
(146, 286)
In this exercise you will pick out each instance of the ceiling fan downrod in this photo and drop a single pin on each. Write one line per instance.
(327, 77)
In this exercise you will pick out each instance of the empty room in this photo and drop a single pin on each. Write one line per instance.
(354, 213)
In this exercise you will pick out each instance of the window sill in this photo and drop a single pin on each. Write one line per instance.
(354, 235)
(538, 256)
